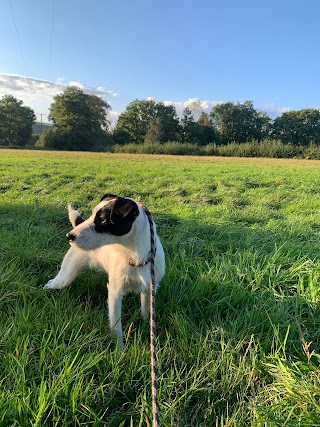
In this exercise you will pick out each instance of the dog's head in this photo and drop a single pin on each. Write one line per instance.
(112, 219)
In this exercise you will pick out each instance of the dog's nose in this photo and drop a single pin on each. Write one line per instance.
(71, 237)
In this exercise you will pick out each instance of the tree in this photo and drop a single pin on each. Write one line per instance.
(198, 132)
(134, 122)
(16, 122)
(170, 127)
(239, 122)
(120, 136)
(208, 134)
(195, 107)
(155, 132)
(298, 127)
(189, 128)
(80, 121)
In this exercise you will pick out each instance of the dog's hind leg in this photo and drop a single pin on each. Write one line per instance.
(73, 262)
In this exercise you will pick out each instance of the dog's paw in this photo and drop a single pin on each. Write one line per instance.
(49, 285)
(120, 343)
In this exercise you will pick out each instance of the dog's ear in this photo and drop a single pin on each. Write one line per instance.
(108, 196)
(123, 208)
(74, 216)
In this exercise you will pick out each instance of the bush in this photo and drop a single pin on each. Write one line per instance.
(51, 139)
(171, 147)
(312, 152)
(47, 139)
(265, 148)
(177, 148)
(32, 141)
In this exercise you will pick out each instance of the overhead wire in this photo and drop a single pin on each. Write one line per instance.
(51, 37)
(19, 42)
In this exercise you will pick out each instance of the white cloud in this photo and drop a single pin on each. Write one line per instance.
(194, 104)
(197, 106)
(274, 110)
(38, 94)
(77, 84)
(113, 118)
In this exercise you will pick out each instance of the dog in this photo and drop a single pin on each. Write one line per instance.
(115, 238)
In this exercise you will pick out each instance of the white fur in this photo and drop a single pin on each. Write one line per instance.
(113, 254)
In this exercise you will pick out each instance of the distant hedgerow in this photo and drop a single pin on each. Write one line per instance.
(171, 147)
(266, 148)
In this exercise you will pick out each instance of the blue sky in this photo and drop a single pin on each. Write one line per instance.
(172, 51)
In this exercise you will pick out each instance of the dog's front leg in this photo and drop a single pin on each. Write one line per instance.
(115, 307)
(145, 304)
(73, 262)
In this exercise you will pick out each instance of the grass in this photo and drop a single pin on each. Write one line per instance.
(238, 314)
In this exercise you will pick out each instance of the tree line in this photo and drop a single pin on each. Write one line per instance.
(80, 122)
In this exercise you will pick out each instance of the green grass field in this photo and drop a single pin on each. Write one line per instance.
(238, 313)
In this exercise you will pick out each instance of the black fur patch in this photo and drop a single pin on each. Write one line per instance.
(108, 196)
(79, 220)
(116, 218)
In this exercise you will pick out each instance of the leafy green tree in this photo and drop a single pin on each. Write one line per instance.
(298, 127)
(134, 122)
(239, 122)
(189, 128)
(155, 132)
(170, 127)
(207, 131)
(80, 122)
(120, 136)
(16, 122)
(198, 132)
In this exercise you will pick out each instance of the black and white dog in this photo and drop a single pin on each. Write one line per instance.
(115, 238)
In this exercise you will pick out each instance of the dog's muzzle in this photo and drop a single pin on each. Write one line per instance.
(71, 237)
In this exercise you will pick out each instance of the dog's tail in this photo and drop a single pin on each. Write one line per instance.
(74, 216)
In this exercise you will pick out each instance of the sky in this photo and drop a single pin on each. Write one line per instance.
(173, 51)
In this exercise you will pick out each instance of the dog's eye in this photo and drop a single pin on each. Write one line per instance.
(102, 218)
(101, 221)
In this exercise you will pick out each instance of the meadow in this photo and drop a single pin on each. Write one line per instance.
(238, 315)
